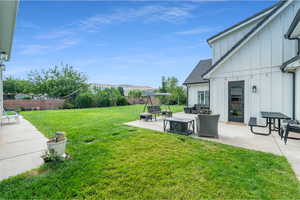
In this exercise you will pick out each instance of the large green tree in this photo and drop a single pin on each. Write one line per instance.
(170, 85)
(58, 82)
(15, 86)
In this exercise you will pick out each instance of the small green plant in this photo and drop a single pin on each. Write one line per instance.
(51, 156)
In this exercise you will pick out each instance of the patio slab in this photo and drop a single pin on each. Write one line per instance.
(239, 135)
(21, 147)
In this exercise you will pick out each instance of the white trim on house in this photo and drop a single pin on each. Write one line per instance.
(239, 26)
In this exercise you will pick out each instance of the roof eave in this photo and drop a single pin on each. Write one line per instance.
(8, 9)
(193, 83)
(290, 34)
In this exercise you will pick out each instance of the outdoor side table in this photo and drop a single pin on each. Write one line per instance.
(180, 126)
(166, 113)
(145, 116)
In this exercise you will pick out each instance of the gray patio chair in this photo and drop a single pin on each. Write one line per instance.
(290, 126)
(8, 116)
(207, 125)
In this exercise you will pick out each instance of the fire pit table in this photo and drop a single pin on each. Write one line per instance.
(180, 126)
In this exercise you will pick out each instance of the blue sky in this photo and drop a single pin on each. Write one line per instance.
(128, 42)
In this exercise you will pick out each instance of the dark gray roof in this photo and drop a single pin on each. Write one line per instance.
(278, 5)
(196, 75)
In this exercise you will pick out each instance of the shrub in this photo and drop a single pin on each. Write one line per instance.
(122, 101)
(84, 100)
(102, 99)
(68, 105)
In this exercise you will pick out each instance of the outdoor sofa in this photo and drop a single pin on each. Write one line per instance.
(197, 109)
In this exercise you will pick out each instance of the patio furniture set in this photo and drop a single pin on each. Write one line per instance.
(206, 124)
(197, 109)
(154, 112)
(271, 118)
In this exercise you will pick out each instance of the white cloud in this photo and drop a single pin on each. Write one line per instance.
(66, 43)
(33, 49)
(55, 34)
(146, 14)
(196, 31)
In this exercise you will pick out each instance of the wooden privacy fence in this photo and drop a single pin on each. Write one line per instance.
(31, 104)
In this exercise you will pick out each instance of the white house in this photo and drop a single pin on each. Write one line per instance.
(197, 87)
(8, 12)
(255, 65)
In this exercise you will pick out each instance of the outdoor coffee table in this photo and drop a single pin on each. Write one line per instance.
(178, 125)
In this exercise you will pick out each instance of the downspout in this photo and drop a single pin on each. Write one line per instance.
(187, 95)
(208, 94)
(294, 94)
(294, 78)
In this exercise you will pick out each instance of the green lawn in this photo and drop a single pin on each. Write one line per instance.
(113, 161)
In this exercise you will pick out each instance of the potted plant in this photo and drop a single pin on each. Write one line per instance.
(57, 145)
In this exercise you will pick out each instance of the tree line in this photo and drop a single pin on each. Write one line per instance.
(68, 83)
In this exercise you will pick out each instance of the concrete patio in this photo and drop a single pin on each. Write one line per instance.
(239, 135)
(21, 147)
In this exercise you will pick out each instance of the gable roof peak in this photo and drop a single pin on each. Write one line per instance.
(243, 23)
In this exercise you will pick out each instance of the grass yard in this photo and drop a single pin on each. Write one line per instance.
(113, 161)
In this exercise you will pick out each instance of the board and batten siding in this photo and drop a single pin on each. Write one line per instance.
(258, 63)
(193, 92)
(222, 45)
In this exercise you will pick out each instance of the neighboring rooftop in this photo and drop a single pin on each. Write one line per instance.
(196, 75)
(120, 85)
(125, 87)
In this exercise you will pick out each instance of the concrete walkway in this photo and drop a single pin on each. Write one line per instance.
(21, 147)
(239, 135)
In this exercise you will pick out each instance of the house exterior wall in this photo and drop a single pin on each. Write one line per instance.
(193, 92)
(298, 94)
(222, 45)
(258, 63)
(1, 93)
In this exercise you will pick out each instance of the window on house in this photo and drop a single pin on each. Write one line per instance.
(203, 97)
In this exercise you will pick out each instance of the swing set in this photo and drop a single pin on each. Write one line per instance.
(155, 109)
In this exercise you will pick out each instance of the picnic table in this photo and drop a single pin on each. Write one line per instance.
(271, 118)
